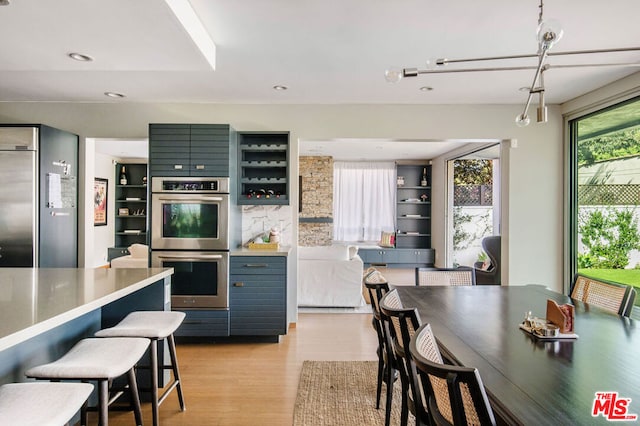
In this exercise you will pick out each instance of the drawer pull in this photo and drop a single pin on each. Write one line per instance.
(238, 284)
(256, 265)
(199, 166)
(177, 166)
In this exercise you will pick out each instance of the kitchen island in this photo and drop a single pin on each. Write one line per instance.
(44, 311)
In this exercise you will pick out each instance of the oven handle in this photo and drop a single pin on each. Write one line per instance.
(191, 257)
(192, 199)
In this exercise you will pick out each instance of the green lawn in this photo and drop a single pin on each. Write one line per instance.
(623, 276)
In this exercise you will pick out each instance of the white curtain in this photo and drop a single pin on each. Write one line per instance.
(364, 200)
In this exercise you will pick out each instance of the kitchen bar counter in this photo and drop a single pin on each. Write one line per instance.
(34, 301)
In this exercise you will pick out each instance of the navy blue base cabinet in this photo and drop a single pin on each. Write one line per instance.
(258, 296)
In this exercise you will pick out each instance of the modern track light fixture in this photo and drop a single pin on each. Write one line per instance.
(549, 32)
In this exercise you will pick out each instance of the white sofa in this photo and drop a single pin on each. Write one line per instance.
(330, 276)
(139, 257)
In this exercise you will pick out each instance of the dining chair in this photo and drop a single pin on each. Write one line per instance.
(445, 276)
(403, 324)
(607, 295)
(377, 287)
(455, 395)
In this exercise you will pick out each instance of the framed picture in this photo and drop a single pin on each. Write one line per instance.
(100, 192)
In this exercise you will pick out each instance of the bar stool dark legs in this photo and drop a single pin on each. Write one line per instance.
(157, 326)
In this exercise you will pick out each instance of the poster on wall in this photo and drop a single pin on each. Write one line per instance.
(100, 201)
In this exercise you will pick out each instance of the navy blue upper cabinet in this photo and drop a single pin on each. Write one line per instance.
(191, 150)
(263, 168)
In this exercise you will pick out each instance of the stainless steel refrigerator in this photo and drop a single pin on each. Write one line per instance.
(38, 200)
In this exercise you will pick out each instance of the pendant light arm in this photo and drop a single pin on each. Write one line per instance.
(444, 61)
(543, 56)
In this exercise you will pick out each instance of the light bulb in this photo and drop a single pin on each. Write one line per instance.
(393, 75)
(549, 32)
(522, 120)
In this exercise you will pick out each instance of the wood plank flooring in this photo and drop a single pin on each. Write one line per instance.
(256, 383)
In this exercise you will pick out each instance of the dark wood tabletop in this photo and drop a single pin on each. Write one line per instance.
(530, 381)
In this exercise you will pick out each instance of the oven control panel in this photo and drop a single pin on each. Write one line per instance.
(190, 185)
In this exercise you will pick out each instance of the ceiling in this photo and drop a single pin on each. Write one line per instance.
(325, 52)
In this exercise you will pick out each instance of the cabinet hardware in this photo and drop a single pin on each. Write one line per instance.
(199, 166)
(255, 265)
(238, 284)
(177, 166)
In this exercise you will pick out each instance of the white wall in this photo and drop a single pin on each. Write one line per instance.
(534, 210)
(103, 236)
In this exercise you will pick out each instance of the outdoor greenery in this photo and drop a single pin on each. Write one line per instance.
(608, 236)
(614, 145)
(472, 172)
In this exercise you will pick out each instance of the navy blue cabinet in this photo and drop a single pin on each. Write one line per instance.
(258, 296)
(204, 323)
(207, 150)
(397, 258)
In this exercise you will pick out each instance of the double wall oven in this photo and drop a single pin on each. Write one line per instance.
(190, 233)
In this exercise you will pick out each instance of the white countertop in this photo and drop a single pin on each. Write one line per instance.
(35, 300)
(282, 251)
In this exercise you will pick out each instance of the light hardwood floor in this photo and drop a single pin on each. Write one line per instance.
(256, 383)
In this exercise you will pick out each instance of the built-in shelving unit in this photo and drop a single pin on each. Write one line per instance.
(263, 168)
(413, 208)
(131, 206)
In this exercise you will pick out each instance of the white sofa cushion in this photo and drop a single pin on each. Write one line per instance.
(335, 252)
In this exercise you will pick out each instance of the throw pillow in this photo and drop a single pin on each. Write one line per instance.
(387, 239)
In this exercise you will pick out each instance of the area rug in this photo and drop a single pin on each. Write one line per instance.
(341, 393)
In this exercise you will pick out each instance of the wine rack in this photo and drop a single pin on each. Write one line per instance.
(263, 168)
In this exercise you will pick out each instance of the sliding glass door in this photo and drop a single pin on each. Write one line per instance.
(474, 205)
(605, 194)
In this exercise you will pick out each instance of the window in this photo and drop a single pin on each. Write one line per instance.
(605, 194)
(364, 197)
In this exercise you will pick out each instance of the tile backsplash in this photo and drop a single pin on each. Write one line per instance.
(258, 220)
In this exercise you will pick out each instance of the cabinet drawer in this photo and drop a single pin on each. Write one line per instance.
(204, 322)
(114, 252)
(258, 265)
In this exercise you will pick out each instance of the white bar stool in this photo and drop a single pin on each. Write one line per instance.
(157, 326)
(101, 360)
(45, 403)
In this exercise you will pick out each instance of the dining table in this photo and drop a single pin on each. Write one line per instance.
(592, 378)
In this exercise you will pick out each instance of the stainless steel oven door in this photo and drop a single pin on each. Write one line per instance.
(200, 280)
(189, 221)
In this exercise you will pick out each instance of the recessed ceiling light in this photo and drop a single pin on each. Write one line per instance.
(280, 87)
(426, 88)
(80, 57)
(114, 95)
